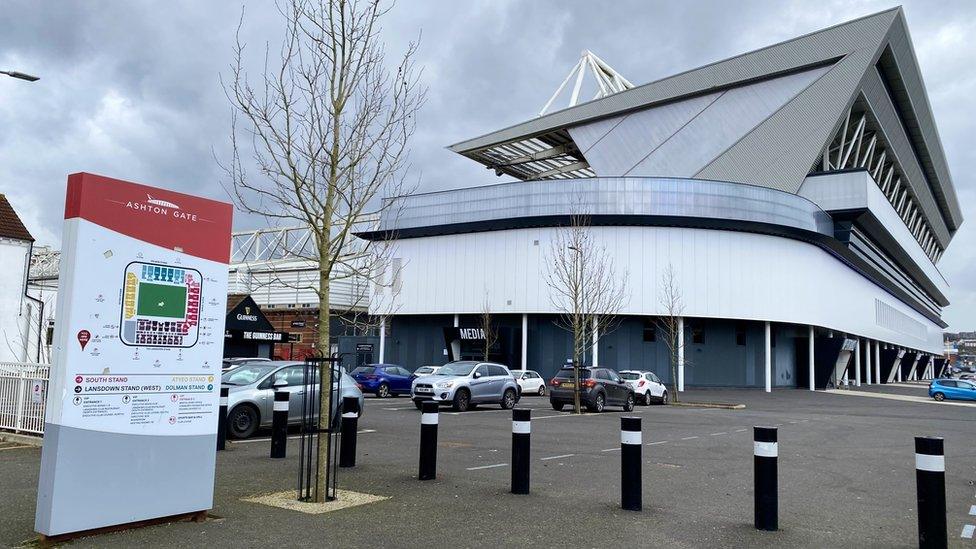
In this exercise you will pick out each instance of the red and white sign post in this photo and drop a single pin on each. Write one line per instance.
(132, 405)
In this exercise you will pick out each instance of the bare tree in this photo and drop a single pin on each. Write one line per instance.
(584, 288)
(327, 126)
(488, 327)
(670, 322)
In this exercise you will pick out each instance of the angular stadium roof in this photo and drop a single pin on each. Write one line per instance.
(775, 111)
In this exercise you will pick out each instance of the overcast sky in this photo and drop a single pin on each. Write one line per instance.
(131, 90)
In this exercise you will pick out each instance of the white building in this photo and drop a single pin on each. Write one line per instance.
(20, 331)
(799, 192)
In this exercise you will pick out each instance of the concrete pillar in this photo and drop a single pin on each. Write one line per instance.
(382, 340)
(900, 362)
(810, 359)
(867, 361)
(857, 363)
(878, 347)
(596, 343)
(769, 359)
(681, 354)
(525, 340)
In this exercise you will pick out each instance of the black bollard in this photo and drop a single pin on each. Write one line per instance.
(428, 441)
(521, 433)
(279, 424)
(630, 464)
(350, 425)
(222, 419)
(930, 487)
(766, 489)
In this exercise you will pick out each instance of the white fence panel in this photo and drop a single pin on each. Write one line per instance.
(23, 395)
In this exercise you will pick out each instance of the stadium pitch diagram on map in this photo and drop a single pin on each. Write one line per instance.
(160, 305)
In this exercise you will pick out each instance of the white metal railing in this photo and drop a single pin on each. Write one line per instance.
(23, 395)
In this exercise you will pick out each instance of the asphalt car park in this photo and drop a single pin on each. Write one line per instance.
(846, 477)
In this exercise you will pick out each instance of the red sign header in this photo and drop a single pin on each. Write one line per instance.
(196, 226)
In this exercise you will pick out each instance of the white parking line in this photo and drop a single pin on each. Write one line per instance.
(556, 457)
(398, 409)
(967, 531)
(17, 447)
(688, 438)
(718, 434)
(657, 442)
(367, 431)
(487, 466)
(740, 430)
(262, 439)
(610, 450)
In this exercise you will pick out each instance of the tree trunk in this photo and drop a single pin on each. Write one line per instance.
(326, 392)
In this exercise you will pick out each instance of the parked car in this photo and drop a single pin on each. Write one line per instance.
(646, 385)
(952, 389)
(530, 382)
(231, 363)
(383, 380)
(251, 391)
(466, 383)
(599, 387)
(425, 371)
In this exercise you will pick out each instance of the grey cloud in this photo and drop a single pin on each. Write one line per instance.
(131, 89)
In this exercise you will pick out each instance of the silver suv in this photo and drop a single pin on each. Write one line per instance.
(466, 383)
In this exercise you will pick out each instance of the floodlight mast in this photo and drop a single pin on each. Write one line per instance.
(608, 80)
(21, 76)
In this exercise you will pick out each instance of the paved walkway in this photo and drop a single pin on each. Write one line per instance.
(905, 398)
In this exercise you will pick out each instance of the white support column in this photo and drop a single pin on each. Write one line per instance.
(867, 361)
(681, 354)
(877, 362)
(769, 359)
(525, 340)
(811, 369)
(382, 339)
(456, 321)
(899, 367)
(596, 343)
(857, 363)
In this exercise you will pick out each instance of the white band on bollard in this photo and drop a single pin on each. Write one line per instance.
(223, 401)
(350, 414)
(766, 449)
(428, 419)
(927, 462)
(281, 406)
(630, 437)
(521, 427)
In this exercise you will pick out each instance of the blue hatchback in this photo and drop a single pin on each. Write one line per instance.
(382, 379)
(953, 389)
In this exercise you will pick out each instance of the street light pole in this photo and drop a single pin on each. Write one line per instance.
(21, 76)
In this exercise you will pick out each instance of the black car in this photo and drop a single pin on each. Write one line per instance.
(599, 387)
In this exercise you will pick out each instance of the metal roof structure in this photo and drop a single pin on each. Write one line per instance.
(768, 117)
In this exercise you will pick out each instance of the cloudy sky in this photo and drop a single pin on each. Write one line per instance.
(131, 89)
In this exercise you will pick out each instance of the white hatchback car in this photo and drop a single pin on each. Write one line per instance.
(530, 382)
(646, 385)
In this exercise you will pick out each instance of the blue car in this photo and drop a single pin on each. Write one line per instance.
(384, 380)
(953, 389)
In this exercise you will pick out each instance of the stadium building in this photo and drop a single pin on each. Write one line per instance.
(799, 193)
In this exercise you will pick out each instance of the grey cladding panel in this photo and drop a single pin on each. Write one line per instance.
(635, 135)
(722, 124)
(780, 152)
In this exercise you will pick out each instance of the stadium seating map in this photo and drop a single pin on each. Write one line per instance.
(160, 306)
